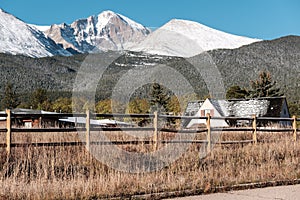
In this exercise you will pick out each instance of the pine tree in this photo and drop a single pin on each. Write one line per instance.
(10, 99)
(159, 98)
(294, 108)
(264, 86)
(39, 96)
(61, 104)
(138, 106)
(236, 92)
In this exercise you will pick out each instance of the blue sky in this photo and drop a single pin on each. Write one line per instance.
(264, 19)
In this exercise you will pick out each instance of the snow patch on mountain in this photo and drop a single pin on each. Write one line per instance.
(40, 27)
(187, 38)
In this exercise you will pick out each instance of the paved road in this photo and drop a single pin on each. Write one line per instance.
(277, 193)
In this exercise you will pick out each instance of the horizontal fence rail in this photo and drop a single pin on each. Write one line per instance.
(154, 128)
(124, 115)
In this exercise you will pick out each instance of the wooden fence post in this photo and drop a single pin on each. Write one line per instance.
(8, 133)
(254, 126)
(155, 136)
(40, 122)
(208, 132)
(87, 127)
(295, 128)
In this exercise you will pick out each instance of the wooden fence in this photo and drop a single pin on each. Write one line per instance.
(155, 117)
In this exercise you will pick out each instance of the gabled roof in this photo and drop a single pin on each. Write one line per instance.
(266, 106)
(191, 109)
(261, 107)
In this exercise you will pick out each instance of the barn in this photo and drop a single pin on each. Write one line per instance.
(261, 107)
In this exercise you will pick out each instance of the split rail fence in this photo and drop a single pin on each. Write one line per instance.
(155, 117)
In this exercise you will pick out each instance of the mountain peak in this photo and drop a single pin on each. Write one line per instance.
(185, 23)
(108, 14)
(17, 37)
(105, 31)
(188, 38)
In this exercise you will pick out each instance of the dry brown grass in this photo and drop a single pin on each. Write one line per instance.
(70, 172)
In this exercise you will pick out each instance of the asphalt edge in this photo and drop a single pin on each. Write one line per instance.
(209, 190)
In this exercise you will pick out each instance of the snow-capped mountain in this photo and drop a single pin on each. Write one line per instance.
(106, 31)
(16, 37)
(112, 31)
(187, 38)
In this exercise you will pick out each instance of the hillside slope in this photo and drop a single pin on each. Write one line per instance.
(237, 66)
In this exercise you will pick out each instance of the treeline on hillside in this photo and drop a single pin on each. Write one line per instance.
(280, 57)
(159, 99)
(263, 86)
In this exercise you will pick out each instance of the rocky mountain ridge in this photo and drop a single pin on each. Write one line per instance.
(111, 31)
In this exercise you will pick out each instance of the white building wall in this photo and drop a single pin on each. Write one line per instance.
(206, 106)
(285, 114)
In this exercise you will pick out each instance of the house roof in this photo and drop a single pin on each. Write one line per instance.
(80, 120)
(28, 111)
(25, 111)
(261, 107)
(101, 122)
(267, 107)
(191, 109)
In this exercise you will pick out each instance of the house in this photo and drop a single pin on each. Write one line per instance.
(261, 107)
(29, 118)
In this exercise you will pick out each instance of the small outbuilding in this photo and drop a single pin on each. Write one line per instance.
(29, 118)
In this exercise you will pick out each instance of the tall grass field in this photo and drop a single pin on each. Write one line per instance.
(71, 172)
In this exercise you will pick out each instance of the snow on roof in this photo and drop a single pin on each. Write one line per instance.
(191, 109)
(101, 122)
(26, 111)
(265, 106)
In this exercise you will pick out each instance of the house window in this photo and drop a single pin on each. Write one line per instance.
(28, 124)
(206, 111)
(202, 113)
